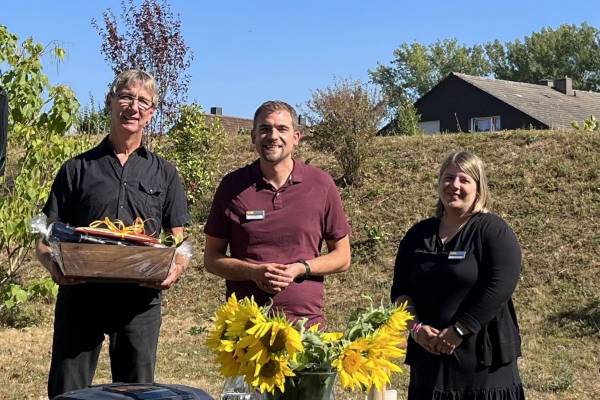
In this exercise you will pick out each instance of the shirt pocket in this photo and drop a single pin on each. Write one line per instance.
(151, 194)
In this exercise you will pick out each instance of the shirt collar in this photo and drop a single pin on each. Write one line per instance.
(297, 175)
(106, 148)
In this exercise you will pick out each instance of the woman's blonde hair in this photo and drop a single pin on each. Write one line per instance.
(471, 165)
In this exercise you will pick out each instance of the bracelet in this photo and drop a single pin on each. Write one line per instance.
(414, 330)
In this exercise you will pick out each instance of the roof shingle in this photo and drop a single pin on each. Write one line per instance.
(543, 103)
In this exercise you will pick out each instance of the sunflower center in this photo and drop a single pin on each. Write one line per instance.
(351, 362)
(270, 369)
(249, 324)
(278, 343)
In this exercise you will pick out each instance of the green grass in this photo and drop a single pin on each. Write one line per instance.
(546, 184)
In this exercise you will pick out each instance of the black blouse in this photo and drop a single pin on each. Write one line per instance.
(469, 279)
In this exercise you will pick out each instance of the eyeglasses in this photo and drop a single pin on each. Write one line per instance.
(126, 100)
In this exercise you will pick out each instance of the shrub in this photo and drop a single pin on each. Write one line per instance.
(405, 120)
(344, 119)
(589, 125)
(196, 149)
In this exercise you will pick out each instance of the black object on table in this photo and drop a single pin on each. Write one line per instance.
(137, 391)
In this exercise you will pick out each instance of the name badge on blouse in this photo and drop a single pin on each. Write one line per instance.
(457, 255)
(255, 215)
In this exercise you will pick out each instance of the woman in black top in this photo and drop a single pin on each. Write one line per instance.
(457, 271)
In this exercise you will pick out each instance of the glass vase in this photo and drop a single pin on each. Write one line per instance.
(236, 388)
(307, 385)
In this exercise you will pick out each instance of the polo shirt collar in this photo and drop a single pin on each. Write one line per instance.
(297, 175)
(106, 147)
(298, 171)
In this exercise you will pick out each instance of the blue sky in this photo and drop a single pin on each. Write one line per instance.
(246, 52)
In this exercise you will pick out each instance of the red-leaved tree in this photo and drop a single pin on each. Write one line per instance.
(149, 37)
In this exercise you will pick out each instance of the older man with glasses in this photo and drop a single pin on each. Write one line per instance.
(118, 179)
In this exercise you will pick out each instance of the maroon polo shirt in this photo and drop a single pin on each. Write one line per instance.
(298, 217)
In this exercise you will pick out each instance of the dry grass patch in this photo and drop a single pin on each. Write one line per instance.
(545, 184)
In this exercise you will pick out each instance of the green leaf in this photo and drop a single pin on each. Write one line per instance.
(59, 52)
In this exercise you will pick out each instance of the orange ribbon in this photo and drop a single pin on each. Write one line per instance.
(117, 226)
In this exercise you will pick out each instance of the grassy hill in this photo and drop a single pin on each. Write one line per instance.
(546, 184)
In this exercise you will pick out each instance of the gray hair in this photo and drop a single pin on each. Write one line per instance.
(132, 76)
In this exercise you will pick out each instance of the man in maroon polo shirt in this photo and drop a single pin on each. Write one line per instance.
(274, 214)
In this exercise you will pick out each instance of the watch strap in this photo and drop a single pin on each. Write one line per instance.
(460, 330)
(306, 268)
(301, 278)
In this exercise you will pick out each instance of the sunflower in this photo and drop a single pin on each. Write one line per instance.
(229, 364)
(263, 343)
(247, 314)
(388, 345)
(331, 337)
(251, 354)
(399, 319)
(276, 335)
(396, 325)
(352, 365)
(221, 320)
(272, 374)
(382, 348)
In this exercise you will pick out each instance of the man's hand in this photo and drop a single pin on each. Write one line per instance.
(272, 277)
(296, 269)
(180, 264)
(44, 255)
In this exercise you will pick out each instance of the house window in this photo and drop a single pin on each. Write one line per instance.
(430, 126)
(485, 124)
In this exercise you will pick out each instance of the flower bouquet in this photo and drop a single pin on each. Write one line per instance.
(285, 361)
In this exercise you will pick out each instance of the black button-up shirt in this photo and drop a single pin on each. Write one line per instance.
(94, 185)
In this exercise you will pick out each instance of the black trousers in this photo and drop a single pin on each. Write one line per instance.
(128, 314)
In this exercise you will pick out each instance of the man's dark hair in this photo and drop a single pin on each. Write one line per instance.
(272, 106)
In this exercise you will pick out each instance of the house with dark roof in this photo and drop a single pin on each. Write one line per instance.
(231, 125)
(466, 103)
(237, 125)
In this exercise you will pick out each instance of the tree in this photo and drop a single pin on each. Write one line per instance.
(417, 68)
(34, 104)
(151, 40)
(39, 116)
(345, 118)
(405, 121)
(568, 50)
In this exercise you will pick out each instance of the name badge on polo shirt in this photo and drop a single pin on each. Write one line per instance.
(457, 255)
(255, 215)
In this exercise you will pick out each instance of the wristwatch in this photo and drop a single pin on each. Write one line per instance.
(301, 278)
(460, 331)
